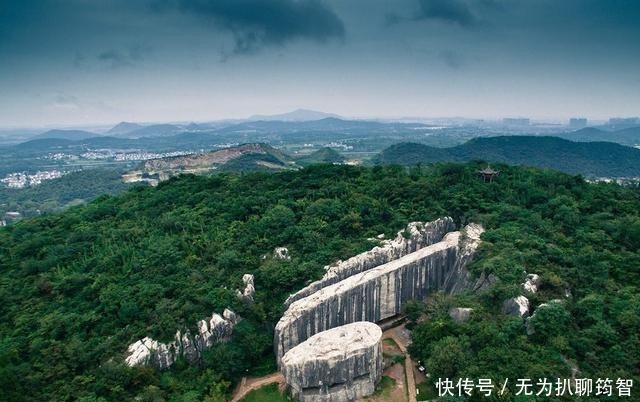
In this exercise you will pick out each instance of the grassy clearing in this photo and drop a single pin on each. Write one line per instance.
(268, 393)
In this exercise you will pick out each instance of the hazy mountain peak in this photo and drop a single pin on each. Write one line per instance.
(296, 115)
(124, 127)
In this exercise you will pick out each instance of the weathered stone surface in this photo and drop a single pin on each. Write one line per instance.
(148, 351)
(531, 283)
(281, 253)
(380, 292)
(460, 314)
(338, 365)
(249, 289)
(416, 236)
(516, 306)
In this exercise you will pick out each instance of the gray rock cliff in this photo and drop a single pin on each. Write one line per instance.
(339, 365)
(416, 236)
(381, 291)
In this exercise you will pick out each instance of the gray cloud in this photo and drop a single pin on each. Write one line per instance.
(450, 11)
(259, 23)
(115, 58)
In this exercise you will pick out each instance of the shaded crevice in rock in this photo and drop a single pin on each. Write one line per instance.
(381, 292)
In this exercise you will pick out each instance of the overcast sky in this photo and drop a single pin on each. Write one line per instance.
(66, 62)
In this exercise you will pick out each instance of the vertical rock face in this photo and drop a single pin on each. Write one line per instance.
(416, 236)
(338, 365)
(381, 292)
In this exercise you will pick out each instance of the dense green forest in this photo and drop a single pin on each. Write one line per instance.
(591, 159)
(77, 287)
(55, 195)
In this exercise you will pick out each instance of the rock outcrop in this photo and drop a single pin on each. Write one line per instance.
(338, 365)
(516, 306)
(148, 351)
(460, 314)
(381, 291)
(416, 236)
(281, 253)
(531, 283)
(249, 288)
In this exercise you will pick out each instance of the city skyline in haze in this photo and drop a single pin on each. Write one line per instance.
(77, 62)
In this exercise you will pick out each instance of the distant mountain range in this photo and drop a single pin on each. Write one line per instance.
(592, 159)
(123, 128)
(296, 115)
(308, 125)
(65, 135)
(627, 136)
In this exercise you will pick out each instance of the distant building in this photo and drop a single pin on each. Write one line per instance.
(624, 122)
(578, 122)
(488, 174)
(520, 121)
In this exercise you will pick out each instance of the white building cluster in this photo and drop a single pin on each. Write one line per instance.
(23, 179)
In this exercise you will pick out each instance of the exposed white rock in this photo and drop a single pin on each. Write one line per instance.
(230, 316)
(381, 291)
(281, 253)
(140, 352)
(460, 314)
(249, 289)
(148, 351)
(531, 283)
(415, 236)
(341, 364)
(516, 306)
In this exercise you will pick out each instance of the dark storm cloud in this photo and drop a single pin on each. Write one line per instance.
(463, 13)
(450, 11)
(258, 23)
(552, 55)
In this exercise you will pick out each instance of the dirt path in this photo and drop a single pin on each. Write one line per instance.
(251, 384)
(400, 336)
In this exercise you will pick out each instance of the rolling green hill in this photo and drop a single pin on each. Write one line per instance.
(323, 155)
(628, 136)
(76, 288)
(592, 159)
(66, 135)
(54, 195)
